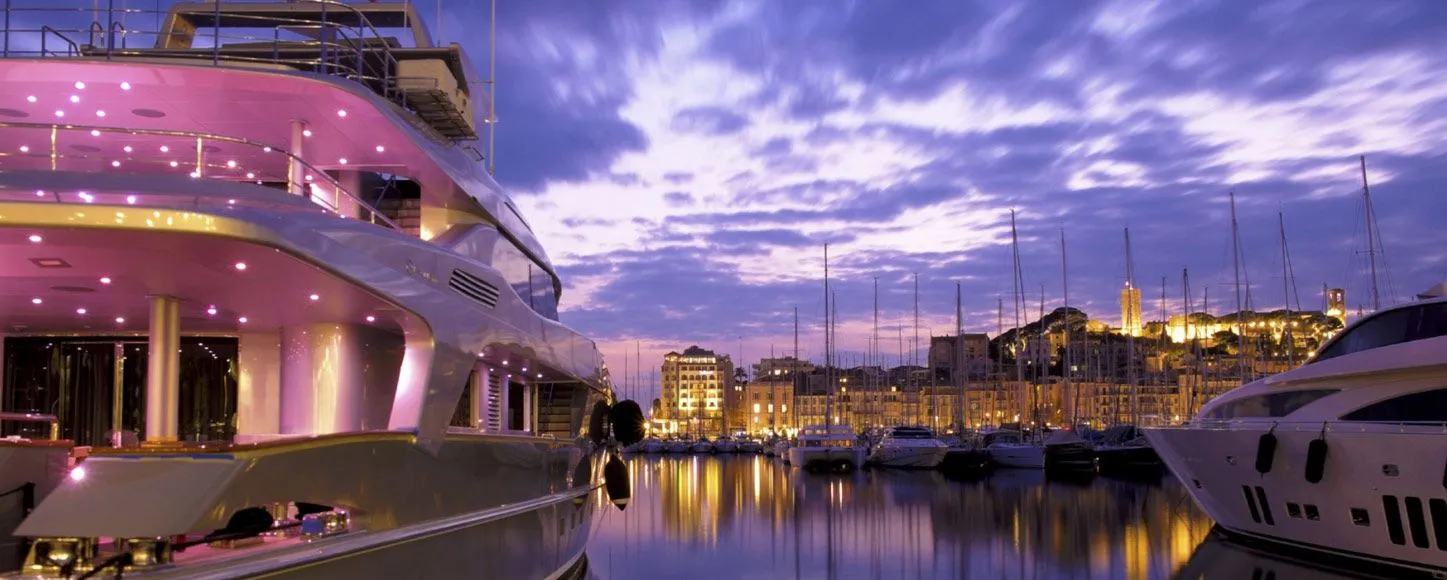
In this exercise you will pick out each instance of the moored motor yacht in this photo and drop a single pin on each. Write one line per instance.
(826, 447)
(1342, 455)
(909, 448)
(318, 337)
(1008, 448)
(725, 444)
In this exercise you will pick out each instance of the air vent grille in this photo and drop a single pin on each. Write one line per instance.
(473, 287)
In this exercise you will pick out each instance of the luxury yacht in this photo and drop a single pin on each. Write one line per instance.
(909, 447)
(1343, 454)
(266, 312)
(832, 447)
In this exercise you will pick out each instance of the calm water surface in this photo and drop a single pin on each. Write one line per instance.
(752, 517)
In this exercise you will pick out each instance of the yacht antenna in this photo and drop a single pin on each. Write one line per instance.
(1371, 235)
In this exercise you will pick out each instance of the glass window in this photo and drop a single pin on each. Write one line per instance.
(1423, 407)
(1268, 405)
(1393, 327)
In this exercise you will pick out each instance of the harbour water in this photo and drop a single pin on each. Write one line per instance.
(715, 517)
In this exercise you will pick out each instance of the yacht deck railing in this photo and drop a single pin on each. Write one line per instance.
(1330, 426)
(94, 149)
(51, 420)
(340, 41)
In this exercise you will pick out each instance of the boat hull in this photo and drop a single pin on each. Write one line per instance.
(909, 457)
(1070, 458)
(1017, 456)
(1378, 502)
(1127, 460)
(827, 458)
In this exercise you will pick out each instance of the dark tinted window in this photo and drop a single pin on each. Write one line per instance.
(1268, 405)
(1423, 407)
(1398, 326)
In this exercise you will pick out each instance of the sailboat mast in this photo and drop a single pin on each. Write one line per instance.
(794, 369)
(874, 353)
(1065, 363)
(914, 346)
(828, 370)
(1240, 313)
(1195, 344)
(1286, 336)
(1371, 235)
(962, 367)
(1130, 330)
(1019, 347)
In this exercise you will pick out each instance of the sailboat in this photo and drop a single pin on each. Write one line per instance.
(1124, 450)
(1010, 448)
(1066, 451)
(827, 446)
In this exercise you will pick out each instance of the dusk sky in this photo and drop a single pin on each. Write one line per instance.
(685, 162)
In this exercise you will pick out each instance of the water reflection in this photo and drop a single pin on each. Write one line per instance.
(752, 517)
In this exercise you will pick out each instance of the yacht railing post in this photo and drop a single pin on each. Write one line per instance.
(162, 372)
(110, 27)
(118, 399)
(296, 180)
(216, 33)
(7, 29)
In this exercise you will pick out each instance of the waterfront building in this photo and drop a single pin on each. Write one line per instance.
(958, 357)
(1130, 311)
(693, 385)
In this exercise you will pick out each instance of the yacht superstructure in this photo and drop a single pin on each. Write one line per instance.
(315, 333)
(909, 447)
(1340, 455)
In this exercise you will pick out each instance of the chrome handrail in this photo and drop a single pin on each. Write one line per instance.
(34, 418)
(374, 216)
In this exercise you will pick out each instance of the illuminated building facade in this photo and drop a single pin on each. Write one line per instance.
(1130, 311)
(1336, 305)
(694, 383)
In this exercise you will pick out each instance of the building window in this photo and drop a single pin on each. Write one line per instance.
(756, 407)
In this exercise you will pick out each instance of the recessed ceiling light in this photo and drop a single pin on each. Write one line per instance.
(120, 320)
(80, 310)
(504, 363)
(525, 369)
(540, 375)
(173, 164)
(115, 164)
(343, 161)
(371, 319)
(381, 149)
(308, 178)
(125, 86)
(24, 149)
(306, 132)
(105, 279)
(95, 132)
(230, 202)
(39, 193)
(36, 301)
(35, 238)
(314, 297)
(240, 265)
(75, 98)
(127, 149)
(250, 175)
(86, 197)
(211, 310)
(241, 320)
(165, 148)
(80, 86)
(342, 113)
(231, 163)
(100, 113)
(266, 150)
(195, 174)
(131, 199)
(59, 113)
(30, 98)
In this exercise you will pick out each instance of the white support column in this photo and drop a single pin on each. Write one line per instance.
(163, 390)
(258, 386)
(528, 393)
(118, 399)
(477, 393)
(295, 171)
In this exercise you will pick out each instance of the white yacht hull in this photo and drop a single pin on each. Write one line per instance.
(1380, 500)
(1017, 456)
(826, 457)
(909, 457)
